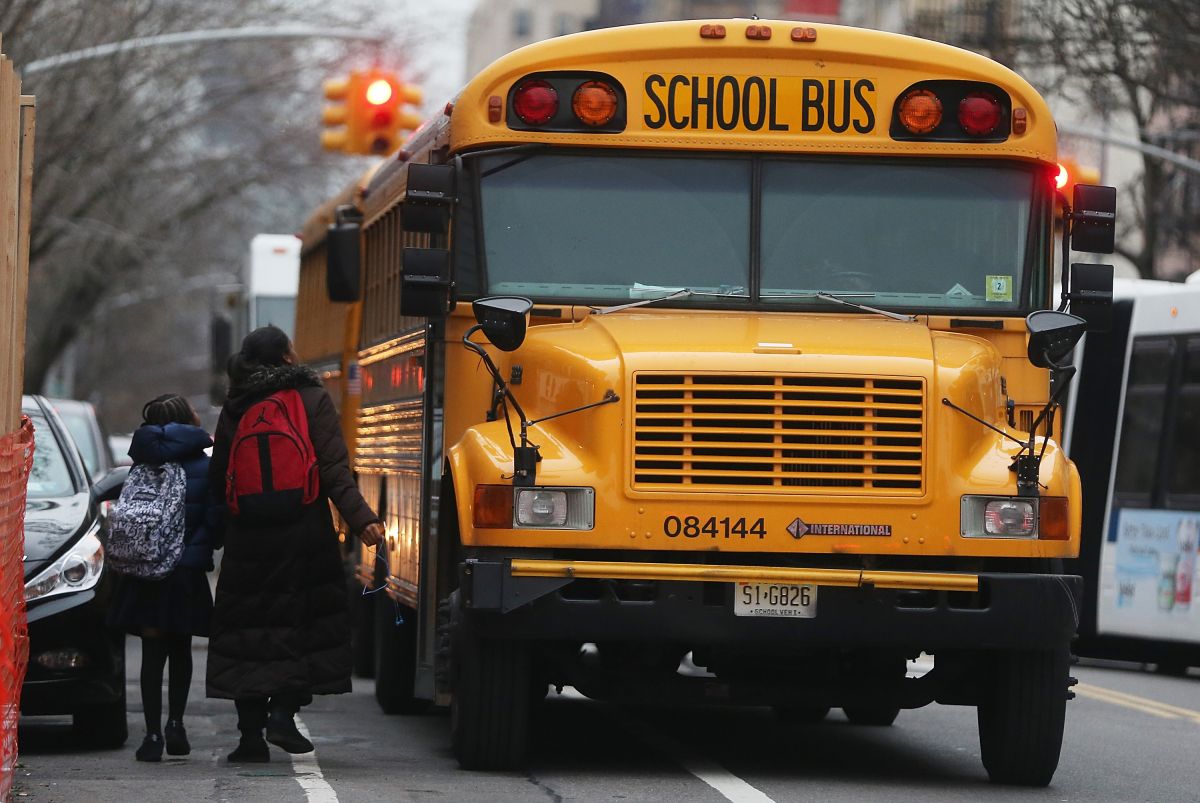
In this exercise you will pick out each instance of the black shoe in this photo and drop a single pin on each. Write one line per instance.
(176, 738)
(251, 749)
(151, 749)
(283, 733)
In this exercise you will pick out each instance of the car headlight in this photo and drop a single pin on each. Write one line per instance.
(555, 508)
(78, 570)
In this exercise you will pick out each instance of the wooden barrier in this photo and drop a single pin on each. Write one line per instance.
(17, 115)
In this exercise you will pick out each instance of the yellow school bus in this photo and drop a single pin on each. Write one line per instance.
(726, 344)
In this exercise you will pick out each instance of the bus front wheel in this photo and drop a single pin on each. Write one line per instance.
(1022, 712)
(490, 707)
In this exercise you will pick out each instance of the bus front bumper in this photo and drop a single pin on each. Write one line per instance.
(582, 601)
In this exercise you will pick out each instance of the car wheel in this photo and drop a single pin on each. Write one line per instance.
(871, 715)
(490, 710)
(1021, 716)
(102, 726)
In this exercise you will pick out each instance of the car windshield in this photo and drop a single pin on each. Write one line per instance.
(909, 235)
(80, 427)
(50, 476)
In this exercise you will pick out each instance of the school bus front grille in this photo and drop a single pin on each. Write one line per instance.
(389, 437)
(792, 434)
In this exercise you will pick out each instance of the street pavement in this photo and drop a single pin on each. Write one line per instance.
(1131, 736)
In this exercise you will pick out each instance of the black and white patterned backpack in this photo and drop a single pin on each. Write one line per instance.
(146, 527)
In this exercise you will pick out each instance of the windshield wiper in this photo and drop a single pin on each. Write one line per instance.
(683, 292)
(840, 298)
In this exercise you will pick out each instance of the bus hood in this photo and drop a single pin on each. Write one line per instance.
(863, 392)
(841, 344)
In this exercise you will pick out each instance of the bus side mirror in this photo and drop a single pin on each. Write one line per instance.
(343, 255)
(428, 199)
(1052, 335)
(503, 320)
(1094, 218)
(426, 290)
(1092, 294)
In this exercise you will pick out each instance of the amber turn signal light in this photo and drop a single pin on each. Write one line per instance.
(493, 507)
(1053, 519)
(920, 111)
(594, 103)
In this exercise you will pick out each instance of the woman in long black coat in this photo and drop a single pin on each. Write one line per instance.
(280, 630)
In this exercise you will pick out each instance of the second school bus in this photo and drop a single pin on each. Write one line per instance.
(726, 339)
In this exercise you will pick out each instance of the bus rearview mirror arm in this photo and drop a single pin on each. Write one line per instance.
(1052, 336)
(525, 456)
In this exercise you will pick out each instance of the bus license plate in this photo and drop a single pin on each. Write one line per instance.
(773, 599)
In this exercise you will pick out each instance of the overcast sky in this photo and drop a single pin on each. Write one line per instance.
(440, 56)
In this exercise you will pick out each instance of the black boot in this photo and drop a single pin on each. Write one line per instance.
(176, 738)
(251, 749)
(151, 749)
(283, 733)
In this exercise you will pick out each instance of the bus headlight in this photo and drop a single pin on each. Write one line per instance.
(999, 517)
(555, 508)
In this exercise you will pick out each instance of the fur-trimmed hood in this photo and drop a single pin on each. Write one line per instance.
(272, 378)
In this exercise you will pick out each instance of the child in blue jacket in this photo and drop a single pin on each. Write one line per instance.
(166, 613)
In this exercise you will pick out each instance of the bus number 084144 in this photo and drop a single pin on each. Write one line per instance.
(713, 527)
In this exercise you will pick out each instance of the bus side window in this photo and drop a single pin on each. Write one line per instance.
(1183, 472)
(1142, 423)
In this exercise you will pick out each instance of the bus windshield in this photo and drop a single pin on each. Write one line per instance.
(915, 235)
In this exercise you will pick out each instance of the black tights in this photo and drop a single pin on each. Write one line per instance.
(155, 652)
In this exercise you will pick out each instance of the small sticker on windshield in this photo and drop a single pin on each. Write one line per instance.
(999, 288)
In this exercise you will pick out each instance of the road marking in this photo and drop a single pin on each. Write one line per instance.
(309, 775)
(728, 785)
(1143, 704)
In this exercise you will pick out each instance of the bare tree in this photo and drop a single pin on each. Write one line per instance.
(156, 166)
(1141, 58)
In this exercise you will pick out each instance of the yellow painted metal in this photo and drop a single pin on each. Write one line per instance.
(610, 570)
(636, 56)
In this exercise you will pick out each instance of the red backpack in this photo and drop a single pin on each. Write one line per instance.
(272, 471)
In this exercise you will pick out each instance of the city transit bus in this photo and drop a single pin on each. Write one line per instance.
(726, 344)
(1132, 426)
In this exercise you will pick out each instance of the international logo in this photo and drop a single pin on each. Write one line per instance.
(800, 528)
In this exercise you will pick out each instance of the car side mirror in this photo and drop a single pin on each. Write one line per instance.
(343, 255)
(1094, 219)
(1052, 335)
(503, 320)
(108, 487)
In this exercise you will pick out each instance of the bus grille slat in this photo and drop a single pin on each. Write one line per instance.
(779, 433)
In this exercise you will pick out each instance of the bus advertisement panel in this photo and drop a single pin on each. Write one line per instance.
(1148, 575)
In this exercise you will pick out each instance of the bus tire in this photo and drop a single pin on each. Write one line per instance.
(876, 715)
(1022, 711)
(362, 630)
(395, 658)
(490, 709)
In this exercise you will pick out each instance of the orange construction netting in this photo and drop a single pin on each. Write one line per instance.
(16, 458)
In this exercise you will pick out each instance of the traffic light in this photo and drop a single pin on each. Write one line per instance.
(336, 116)
(371, 115)
(1071, 173)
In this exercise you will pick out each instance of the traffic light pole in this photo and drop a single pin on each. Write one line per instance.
(198, 37)
(1132, 144)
